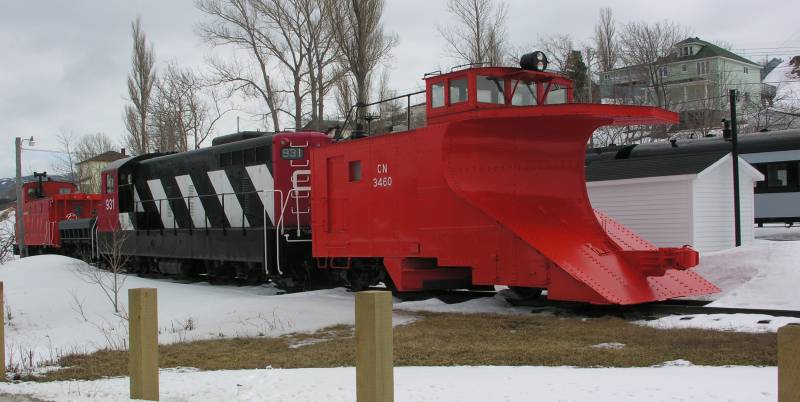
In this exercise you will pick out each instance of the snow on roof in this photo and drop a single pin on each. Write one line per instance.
(787, 84)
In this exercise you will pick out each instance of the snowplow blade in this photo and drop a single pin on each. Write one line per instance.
(524, 167)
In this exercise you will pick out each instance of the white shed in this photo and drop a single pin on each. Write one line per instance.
(677, 199)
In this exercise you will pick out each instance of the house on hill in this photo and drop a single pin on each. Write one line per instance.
(695, 77)
(676, 199)
(88, 170)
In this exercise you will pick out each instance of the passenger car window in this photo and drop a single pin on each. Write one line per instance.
(490, 90)
(777, 175)
(458, 90)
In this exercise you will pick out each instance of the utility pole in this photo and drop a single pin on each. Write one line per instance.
(589, 86)
(20, 215)
(731, 133)
(588, 75)
(735, 154)
(20, 234)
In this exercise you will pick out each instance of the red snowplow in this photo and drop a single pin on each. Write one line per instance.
(491, 192)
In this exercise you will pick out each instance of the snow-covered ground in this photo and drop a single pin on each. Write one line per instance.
(52, 309)
(778, 232)
(673, 382)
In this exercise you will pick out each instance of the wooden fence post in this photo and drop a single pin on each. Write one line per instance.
(143, 348)
(374, 364)
(2, 334)
(789, 363)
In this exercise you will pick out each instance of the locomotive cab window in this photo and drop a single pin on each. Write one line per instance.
(109, 184)
(490, 90)
(458, 90)
(437, 95)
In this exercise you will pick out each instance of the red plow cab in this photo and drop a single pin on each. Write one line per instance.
(492, 192)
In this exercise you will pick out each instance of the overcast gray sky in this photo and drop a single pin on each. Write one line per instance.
(63, 64)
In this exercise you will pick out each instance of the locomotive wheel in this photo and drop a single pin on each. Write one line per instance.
(524, 293)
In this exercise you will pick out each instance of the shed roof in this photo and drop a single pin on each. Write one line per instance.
(670, 165)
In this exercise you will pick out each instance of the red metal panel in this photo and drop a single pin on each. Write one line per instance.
(494, 196)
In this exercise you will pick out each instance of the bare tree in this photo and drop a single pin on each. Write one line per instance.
(649, 46)
(605, 40)
(110, 277)
(358, 32)
(237, 23)
(322, 54)
(345, 96)
(286, 41)
(7, 237)
(75, 150)
(181, 110)
(478, 35)
(140, 86)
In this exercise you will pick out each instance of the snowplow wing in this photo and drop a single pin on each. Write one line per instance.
(524, 167)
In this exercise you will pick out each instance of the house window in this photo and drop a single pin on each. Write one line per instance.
(458, 90)
(683, 68)
(702, 67)
(687, 51)
(745, 70)
(663, 71)
(437, 95)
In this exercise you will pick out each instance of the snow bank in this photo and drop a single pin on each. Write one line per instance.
(762, 275)
(464, 384)
(757, 323)
(483, 305)
(46, 294)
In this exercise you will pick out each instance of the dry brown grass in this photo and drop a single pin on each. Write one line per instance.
(454, 339)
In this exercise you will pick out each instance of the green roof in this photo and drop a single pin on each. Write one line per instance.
(708, 50)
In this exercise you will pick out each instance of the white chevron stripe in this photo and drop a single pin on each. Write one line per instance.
(233, 209)
(264, 184)
(164, 209)
(193, 203)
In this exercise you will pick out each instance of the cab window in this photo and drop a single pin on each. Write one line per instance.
(109, 184)
(437, 95)
(524, 93)
(458, 90)
(490, 90)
